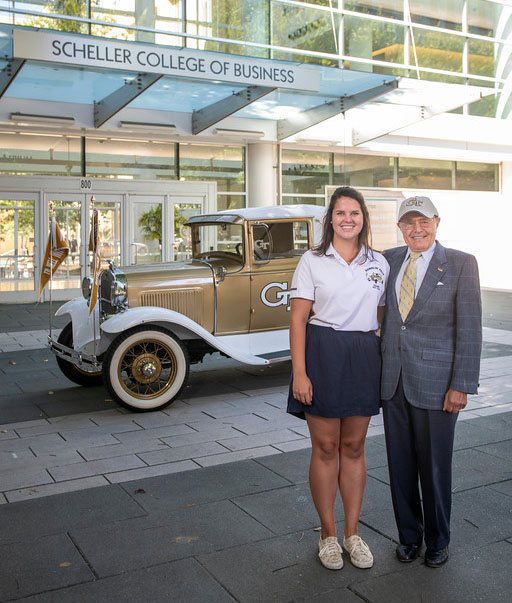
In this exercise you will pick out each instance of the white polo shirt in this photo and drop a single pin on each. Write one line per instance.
(345, 296)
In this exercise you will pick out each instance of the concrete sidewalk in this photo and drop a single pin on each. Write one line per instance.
(208, 500)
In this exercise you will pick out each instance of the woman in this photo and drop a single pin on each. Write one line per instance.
(337, 292)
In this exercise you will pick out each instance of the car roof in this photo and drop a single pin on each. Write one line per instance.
(262, 213)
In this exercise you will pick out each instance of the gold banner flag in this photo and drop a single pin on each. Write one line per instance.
(94, 246)
(57, 250)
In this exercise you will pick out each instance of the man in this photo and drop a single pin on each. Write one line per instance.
(431, 344)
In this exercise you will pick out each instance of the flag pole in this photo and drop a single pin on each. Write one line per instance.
(95, 238)
(52, 215)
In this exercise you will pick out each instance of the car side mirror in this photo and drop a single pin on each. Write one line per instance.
(220, 274)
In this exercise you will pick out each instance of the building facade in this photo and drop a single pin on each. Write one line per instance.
(154, 110)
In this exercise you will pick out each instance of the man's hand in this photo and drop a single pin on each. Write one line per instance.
(302, 389)
(454, 401)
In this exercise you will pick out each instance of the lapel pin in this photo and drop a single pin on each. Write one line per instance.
(440, 269)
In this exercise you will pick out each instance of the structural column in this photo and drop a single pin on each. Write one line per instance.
(262, 166)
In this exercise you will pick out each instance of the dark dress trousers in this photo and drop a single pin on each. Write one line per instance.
(437, 348)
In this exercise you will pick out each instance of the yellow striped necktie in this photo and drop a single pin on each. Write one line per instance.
(407, 287)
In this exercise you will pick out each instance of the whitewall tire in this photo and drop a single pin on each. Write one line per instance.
(145, 368)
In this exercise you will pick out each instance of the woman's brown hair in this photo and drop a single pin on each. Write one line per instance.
(365, 236)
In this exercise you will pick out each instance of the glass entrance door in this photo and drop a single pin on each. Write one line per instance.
(182, 209)
(70, 212)
(17, 246)
(147, 229)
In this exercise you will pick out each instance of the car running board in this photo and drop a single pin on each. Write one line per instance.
(275, 356)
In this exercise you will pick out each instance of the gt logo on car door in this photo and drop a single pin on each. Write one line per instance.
(282, 295)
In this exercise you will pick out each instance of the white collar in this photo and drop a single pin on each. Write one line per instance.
(426, 255)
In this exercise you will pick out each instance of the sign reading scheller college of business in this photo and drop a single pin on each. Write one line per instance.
(129, 56)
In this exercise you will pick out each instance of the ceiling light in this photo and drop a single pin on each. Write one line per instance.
(137, 125)
(26, 119)
(240, 133)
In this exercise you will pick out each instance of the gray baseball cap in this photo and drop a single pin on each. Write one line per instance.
(423, 205)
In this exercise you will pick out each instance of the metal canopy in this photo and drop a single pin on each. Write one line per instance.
(311, 117)
(114, 102)
(204, 118)
(8, 73)
(414, 102)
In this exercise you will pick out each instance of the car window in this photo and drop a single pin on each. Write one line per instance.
(289, 240)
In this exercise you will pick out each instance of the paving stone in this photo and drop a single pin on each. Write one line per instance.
(212, 435)
(472, 468)
(58, 488)
(261, 439)
(469, 434)
(286, 568)
(293, 445)
(502, 450)
(180, 453)
(464, 579)
(183, 581)
(191, 531)
(147, 472)
(503, 487)
(51, 562)
(31, 519)
(25, 459)
(99, 467)
(105, 452)
(487, 510)
(231, 457)
(293, 466)
(21, 478)
(165, 431)
(199, 487)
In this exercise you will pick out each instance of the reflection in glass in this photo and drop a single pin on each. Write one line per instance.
(224, 165)
(16, 245)
(230, 201)
(44, 155)
(182, 246)
(477, 176)
(147, 236)
(305, 171)
(130, 159)
(424, 173)
(67, 214)
(110, 232)
(373, 40)
(363, 170)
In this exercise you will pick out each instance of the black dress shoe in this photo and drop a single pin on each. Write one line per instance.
(435, 558)
(407, 552)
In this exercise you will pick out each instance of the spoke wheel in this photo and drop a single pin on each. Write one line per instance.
(145, 368)
(87, 378)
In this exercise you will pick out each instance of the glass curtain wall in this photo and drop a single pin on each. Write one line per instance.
(306, 173)
(445, 40)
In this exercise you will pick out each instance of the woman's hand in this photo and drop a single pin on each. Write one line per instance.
(302, 389)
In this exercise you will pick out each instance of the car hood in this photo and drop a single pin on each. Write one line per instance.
(163, 276)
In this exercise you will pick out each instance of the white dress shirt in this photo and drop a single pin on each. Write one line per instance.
(345, 296)
(421, 269)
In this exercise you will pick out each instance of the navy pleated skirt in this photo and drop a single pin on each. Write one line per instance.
(344, 369)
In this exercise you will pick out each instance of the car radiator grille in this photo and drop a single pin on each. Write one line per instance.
(186, 301)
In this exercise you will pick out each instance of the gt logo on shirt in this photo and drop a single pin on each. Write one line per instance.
(282, 295)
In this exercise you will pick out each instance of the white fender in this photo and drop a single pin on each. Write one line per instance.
(84, 326)
(232, 345)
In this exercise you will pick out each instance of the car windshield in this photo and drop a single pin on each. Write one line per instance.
(208, 239)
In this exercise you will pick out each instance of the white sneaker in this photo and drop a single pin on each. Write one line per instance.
(330, 553)
(359, 551)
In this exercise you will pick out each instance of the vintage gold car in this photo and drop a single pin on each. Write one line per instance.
(153, 321)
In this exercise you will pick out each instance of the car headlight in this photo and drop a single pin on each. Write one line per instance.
(113, 291)
(87, 287)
